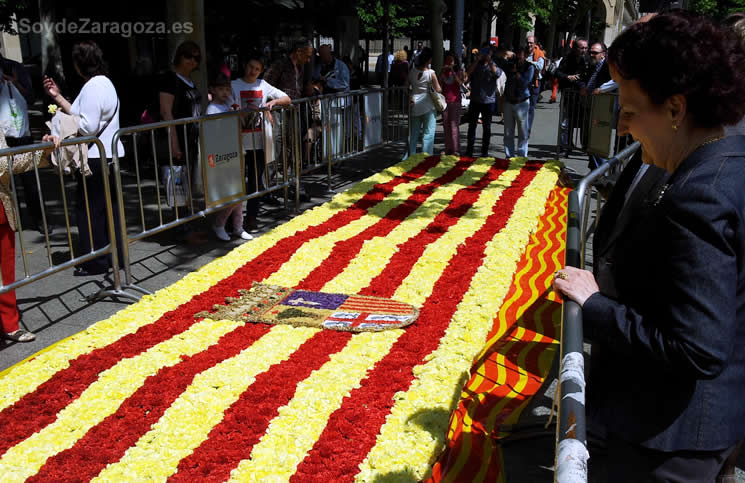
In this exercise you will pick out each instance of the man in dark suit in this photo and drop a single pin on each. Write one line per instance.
(570, 73)
(597, 74)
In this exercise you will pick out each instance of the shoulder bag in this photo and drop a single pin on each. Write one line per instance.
(437, 98)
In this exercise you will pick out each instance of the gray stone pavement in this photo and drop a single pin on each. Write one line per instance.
(55, 308)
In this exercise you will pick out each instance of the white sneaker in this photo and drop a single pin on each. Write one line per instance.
(221, 233)
(246, 236)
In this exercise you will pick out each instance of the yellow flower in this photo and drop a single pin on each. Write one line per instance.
(52, 109)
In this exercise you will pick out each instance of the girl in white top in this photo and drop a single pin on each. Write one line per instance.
(422, 116)
(250, 92)
(221, 98)
(97, 105)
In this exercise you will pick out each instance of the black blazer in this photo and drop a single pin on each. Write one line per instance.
(670, 369)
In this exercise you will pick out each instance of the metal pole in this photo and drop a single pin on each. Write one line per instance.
(572, 455)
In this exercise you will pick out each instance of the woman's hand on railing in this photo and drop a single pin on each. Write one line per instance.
(48, 138)
(578, 285)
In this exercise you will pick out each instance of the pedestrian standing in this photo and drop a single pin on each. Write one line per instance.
(97, 105)
(421, 80)
(250, 92)
(517, 103)
(221, 102)
(451, 80)
(483, 74)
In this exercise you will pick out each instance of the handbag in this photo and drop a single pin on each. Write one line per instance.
(13, 121)
(437, 99)
(175, 179)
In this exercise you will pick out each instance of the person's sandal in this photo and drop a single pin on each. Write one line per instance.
(20, 335)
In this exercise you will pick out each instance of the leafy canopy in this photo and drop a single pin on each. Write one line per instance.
(404, 17)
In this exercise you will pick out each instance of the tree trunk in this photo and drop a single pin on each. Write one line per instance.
(551, 38)
(435, 11)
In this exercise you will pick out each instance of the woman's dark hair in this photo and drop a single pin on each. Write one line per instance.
(187, 50)
(424, 57)
(88, 57)
(681, 53)
(456, 64)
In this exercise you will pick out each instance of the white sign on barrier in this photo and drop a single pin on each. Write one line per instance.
(373, 119)
(332, 132)
(222, 160)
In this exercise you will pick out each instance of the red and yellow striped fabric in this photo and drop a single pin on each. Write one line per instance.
(515, 360)
(155, 393)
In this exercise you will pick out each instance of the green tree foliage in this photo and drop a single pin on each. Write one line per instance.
(10, 10)
(405, 17)
(717, 8)
(518, 12)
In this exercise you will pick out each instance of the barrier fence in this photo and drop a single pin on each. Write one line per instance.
(186, 169)
(339, 126)
(257, 145)
(571, 431)
(85, 185)
(587, 123)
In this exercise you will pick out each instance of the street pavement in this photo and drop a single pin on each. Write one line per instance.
(55, 308)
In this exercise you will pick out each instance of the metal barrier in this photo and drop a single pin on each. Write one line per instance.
(336, 127)
(75, 259)
(571, 430)
(587, 122)
(252, 131)
(276, 134)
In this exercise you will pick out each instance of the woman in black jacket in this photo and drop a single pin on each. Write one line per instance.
(667, 318)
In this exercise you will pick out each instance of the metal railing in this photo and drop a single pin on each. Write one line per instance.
(163, 203)
(109, 249)
(337, 127)
(279, 170)
(577, 124)
(571, 431)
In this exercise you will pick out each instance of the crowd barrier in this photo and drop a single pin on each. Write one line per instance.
(169, 190)
(571, 431)
(339, 126)
(271, 144)
(75, 259)
(587, 123)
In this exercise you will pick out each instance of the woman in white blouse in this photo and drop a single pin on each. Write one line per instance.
(422, 114)
(97, 105)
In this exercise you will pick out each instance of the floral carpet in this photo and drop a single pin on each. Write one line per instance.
(157, 393)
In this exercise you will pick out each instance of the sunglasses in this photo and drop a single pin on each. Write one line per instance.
(197, 58)
(595, 53)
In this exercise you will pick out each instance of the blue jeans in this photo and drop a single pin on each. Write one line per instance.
(424, 124)
(535, 93)
(516, 114)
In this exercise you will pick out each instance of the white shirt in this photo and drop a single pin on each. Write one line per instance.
(420, 91)
(214, 108)
(254, 96)
(96, 104)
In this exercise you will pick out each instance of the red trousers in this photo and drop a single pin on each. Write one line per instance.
(8, 307)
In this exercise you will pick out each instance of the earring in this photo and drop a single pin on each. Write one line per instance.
(675, 127)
